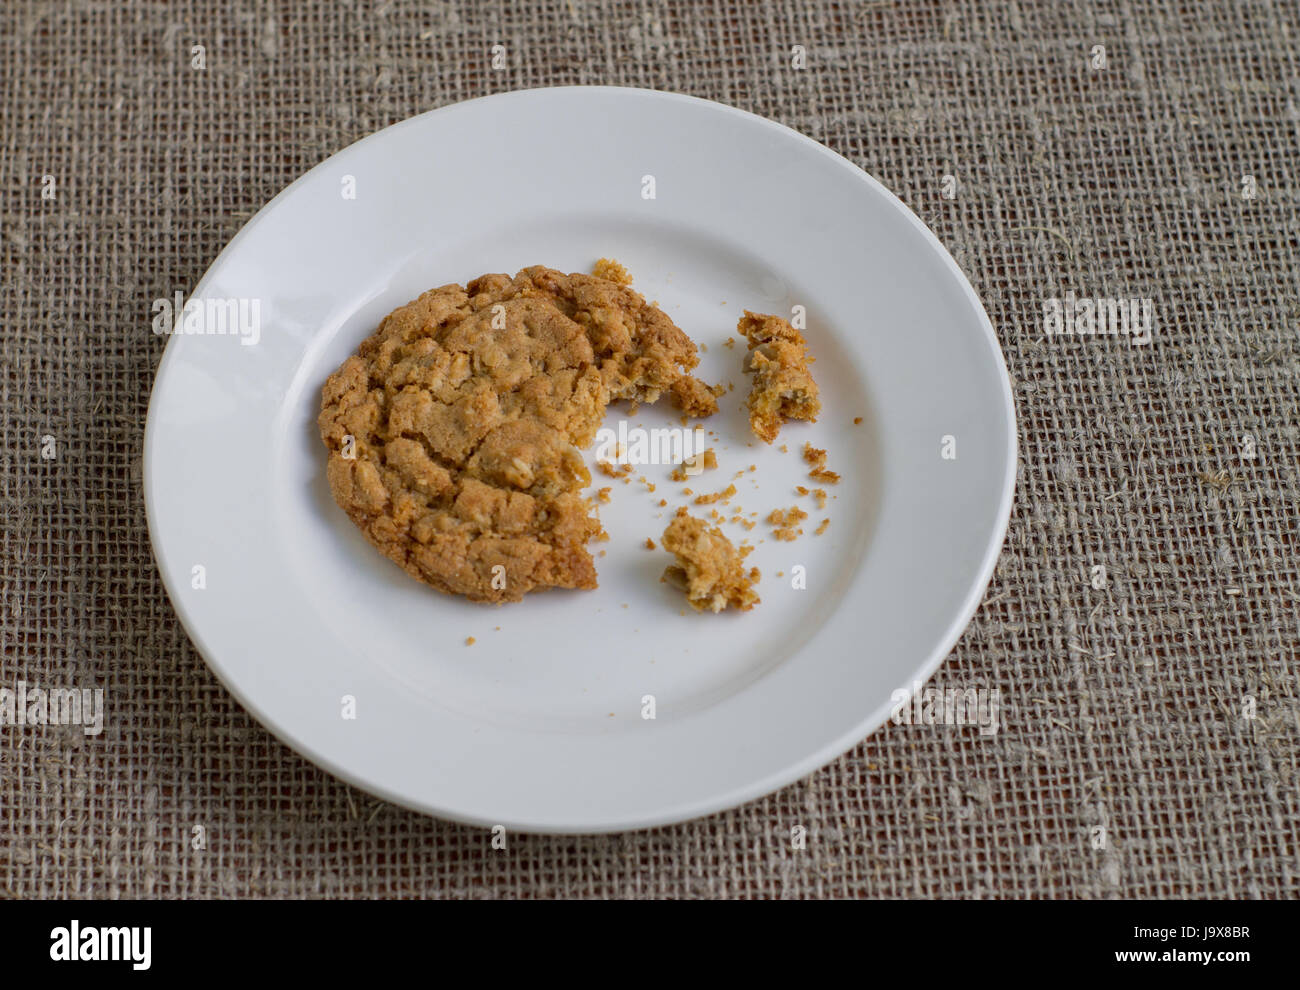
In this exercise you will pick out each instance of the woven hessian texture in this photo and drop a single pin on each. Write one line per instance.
(1150, 747)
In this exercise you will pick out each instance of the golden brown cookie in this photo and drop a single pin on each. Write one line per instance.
(783, 387)
(453, 431)
(709, 568)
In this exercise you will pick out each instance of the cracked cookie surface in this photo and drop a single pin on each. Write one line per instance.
(453, 431)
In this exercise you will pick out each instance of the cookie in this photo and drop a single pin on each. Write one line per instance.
(709, 568)
(783, 387)
(453, 432)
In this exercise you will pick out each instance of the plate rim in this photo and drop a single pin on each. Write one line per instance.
(720, 801)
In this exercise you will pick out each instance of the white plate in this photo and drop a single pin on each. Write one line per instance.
(538, 726)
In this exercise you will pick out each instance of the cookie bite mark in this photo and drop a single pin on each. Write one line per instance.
(709, 569)
(783, 388)
(694, 398)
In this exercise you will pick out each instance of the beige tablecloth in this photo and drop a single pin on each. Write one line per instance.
(1121, 150)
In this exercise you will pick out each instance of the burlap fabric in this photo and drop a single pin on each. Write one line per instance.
(1150, 745)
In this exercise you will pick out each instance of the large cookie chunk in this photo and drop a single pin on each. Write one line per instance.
(453, 431)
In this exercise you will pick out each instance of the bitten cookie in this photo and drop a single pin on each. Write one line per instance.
(453, 431)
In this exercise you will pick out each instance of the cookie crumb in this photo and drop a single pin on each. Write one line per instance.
(721, 496)
(821, 527)
(708, 567)
(817, 459)
(779, 517)
(470, 640)
(786, 521)
(649, 543)
(704, 461)
(611, 271)
(609, 470)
